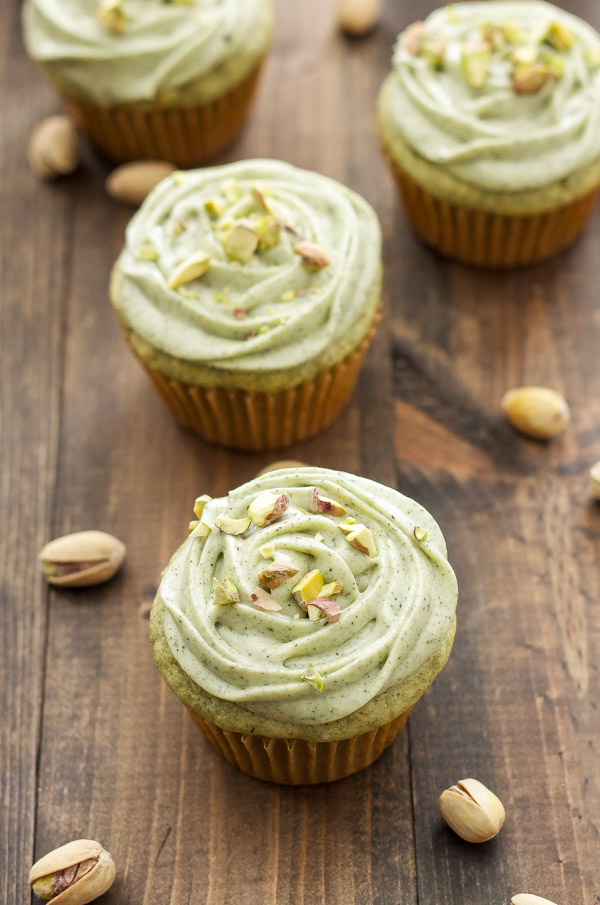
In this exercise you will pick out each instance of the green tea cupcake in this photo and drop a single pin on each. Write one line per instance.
(490, 120)
(302, 619)
(161, 79)
(250, 293)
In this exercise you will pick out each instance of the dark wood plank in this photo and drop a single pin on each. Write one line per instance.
(35, 243)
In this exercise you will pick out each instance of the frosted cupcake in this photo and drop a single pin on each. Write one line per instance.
(250, 293)
(490, 119)
(302, 619)
(149, 78)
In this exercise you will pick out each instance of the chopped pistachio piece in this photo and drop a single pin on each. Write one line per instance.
(324, 607)
(555, 65)
(312, 255)
(592, 56)
(559, 36)
(433, 49)
(276, 574)
(148, 252)
(512, 32)
(420, 533)
(348, 525)
(526, 55)
(412, 38)
(268, 230)
(362, 540)
(308, 587)
(259, 198)
(264, 601)
(334, 587)
(225, 592)
(191, 268)
(112, 16)
(494, 36)
(193, 524)
(232, 191)
(233, 526)
(474, 63)
(241, 242)
(180, 226)
(267, 551)
(313, 677)
(201, 530)
(327, 506)
(199, 504)
(530, 79)
(214, 208)
(266, 508)
(288, 296)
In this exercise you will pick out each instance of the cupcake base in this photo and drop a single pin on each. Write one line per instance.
(296, 761)
(257, 421)
(184, 136)
(484, 239)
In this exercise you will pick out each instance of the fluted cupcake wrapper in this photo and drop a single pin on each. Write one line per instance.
(185, 136)
(295, 761)
(263, 421)
(485, 239)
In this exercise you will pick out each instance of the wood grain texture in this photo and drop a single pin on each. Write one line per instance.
(93, 744)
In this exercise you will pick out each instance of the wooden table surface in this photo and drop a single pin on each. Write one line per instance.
(93, 744)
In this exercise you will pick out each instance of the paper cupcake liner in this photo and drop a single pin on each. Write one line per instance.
(294, 761)
(185, 136)
(262, 421)
(485, 239)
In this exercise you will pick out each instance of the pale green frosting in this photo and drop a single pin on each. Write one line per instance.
(397, 608)
(269, 315)
(491, 137)
(199, 49)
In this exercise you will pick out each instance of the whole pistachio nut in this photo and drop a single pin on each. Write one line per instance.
(52, 150)
(472, 810)
(82, 559)
(74, 874)
(525, 898)
(538, 412)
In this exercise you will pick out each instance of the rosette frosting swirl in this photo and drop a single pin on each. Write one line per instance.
(159, 46)
(250, 311)
(397, 604)
(502, 95)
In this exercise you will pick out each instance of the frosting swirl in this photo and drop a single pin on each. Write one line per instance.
(501, 95)
(397, 606)
(271, 311)
(161, 48)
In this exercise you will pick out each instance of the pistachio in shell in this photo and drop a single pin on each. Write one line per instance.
(73, 874)
(82, 559)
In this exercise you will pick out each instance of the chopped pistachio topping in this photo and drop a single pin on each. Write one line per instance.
(313, 677)
(276, 574)
(308, 587)
(180, 226)
(559, 36)
(259, 198)
(199, 504)
(312, 255)
(191, 268)
(214, 208)
(327, 506)
(148, 252)
(268, 231)
(528, 79)
(112, 16)
(241, 241)
(288, 296)
(362, 540)
(225, 592)
(264, 601)
(433, 49)
(232, 191)
(592, 56)
(201, 530)
(420, 533)
(233, 526)
(323, 607)
(334, 587)
(474, 63)
(267, 551)
(412, 39)
(266, 508)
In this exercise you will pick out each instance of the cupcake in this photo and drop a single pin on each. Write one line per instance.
(250, 293)
(302, 619)
(153, 78)
(490, 121)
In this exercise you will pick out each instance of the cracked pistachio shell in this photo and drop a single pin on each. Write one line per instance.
(82, 559)
(91, 885)
(472, 811)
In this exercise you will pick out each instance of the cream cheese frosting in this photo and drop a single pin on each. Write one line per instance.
(397, 606)
(273, 312)
(493, 135)
(163, 47)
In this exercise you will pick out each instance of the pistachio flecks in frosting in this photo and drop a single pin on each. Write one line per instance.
(120, 51)
(509, 100)
(274, 289)
(390, 613)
